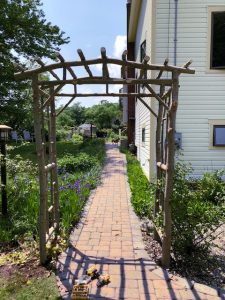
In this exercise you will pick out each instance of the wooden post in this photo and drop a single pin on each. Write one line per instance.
(3, 179)
(41, 168)
(47, 151)
(53, 159)
(167, 224)
(158, 156)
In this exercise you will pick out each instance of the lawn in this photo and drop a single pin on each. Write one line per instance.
(27, 151)
(20, 288)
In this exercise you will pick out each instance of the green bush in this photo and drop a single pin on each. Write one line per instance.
(81, 162)
(198, 207)
(195, 216)
(143, 192)
(212, 187)
(23, 202)
(62, 134)
(77, 139)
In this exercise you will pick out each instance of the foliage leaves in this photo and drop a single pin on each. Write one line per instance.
(142, 191)
(103, 115)
(71, 116)
(24, 29)
(195, 212)
(24, 34)
(83, 161)
(198, 207)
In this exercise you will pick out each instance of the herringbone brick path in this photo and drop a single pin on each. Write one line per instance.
(109, 236)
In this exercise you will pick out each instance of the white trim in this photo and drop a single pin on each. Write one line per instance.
(211, 124)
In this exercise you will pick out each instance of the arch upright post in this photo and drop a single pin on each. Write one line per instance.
(41, 169)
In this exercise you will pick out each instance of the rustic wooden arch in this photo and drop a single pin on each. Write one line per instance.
(44, 93)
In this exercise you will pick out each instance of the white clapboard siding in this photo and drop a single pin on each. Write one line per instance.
(143, 117)
(202, 96)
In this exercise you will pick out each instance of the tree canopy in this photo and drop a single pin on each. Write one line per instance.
(24, 34)
(72, 116)
(104, 115)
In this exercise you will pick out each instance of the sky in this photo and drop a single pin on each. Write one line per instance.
(90, 24)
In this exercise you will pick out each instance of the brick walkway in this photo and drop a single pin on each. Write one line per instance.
(109, 236)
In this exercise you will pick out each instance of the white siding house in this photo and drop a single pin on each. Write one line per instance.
(201, 112)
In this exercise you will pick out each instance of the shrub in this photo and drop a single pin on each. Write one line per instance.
(77, 139)
(211, 187)
(81, 162)
(18, 166)
(23, 203)
(142, 190)
(198, 207)
(62, 134)
(195, 216)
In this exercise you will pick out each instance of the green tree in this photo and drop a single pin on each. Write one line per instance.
(71, 116)
(104, 115)
(24, 34)
(16, 107)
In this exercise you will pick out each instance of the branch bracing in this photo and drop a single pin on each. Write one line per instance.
(85, 63)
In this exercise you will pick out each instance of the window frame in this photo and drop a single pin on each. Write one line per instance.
(214, 135)
(212, 124)
(212, 43)
(211, 10)
(143, 136)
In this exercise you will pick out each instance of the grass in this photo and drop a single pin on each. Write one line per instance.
(19, 288)
(27, 151)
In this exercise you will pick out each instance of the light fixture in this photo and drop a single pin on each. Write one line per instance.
(4, 137)
(4, 133)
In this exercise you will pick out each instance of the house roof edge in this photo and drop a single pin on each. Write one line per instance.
(134, 16)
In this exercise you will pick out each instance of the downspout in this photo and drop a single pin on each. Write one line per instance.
(175, 32)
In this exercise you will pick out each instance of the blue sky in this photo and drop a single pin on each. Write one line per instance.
(90, 24)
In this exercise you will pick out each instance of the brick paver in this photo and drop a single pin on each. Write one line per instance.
(109, 236)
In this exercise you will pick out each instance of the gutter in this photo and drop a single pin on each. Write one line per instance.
(133, 19)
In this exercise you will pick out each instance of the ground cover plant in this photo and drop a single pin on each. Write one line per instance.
(198, 210)
(142, 191)
(79, 166)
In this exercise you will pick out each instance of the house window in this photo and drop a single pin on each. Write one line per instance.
(143, 51)
(217, 49)
(219, 135)
(143, 135)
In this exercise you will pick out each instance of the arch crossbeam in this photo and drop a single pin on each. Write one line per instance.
(104, 60)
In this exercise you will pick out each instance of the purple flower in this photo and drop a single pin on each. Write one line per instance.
(62, 188)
